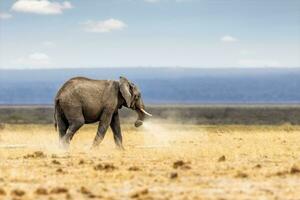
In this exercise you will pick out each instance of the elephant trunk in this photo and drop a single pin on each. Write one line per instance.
(140, 119)
(140, 109)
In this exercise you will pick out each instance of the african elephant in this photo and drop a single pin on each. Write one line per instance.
(82, 101)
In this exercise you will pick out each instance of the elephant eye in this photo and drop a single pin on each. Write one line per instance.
(137, 96)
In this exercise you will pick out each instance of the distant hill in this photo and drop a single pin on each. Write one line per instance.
(162, 85)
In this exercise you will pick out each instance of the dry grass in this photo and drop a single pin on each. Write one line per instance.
(160, 162)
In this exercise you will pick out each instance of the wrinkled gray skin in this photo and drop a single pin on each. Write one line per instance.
(82, 101)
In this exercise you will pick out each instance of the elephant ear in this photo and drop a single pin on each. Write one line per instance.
(125, 90)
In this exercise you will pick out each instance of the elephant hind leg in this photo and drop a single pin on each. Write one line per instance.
(74, 125)
(75, 120)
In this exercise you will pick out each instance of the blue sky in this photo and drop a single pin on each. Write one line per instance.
(156, 33)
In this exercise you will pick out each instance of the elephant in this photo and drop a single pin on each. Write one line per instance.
(82, 101)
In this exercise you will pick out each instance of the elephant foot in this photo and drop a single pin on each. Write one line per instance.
(120, 148)
(64, 144)
(93, 147)
(95, 144)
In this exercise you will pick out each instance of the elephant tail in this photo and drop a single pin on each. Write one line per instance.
(56, 105)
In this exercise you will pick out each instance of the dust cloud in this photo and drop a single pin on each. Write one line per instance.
(156, 135)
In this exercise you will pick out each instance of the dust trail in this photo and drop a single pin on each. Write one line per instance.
(156, 135)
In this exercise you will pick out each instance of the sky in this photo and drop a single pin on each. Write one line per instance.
(149, 33)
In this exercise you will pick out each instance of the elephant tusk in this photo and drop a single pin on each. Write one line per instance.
(146, 112)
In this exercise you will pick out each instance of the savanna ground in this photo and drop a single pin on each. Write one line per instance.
(161, 161)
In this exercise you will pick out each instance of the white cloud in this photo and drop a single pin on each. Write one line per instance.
(104, 26)
(48, 44)
(43, 7)
(228, 38)
(5, 16)
(258, 63)
(246, 52)
(34, 59)
(38, 56)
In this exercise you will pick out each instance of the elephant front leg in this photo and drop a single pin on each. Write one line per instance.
(116, 129)
(104, 123)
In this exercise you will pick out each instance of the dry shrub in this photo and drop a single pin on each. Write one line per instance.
(222, 159)
(2, 126)
(181, 165)
(173, 175)
(105, 167)
(37, 154)
(134, 168)
(56, 162)
(241, 175)
(2, 192)
(139, 193)
(295, 169)
(59, 190)
(17, 192)
(88, 193)
(41, 191)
